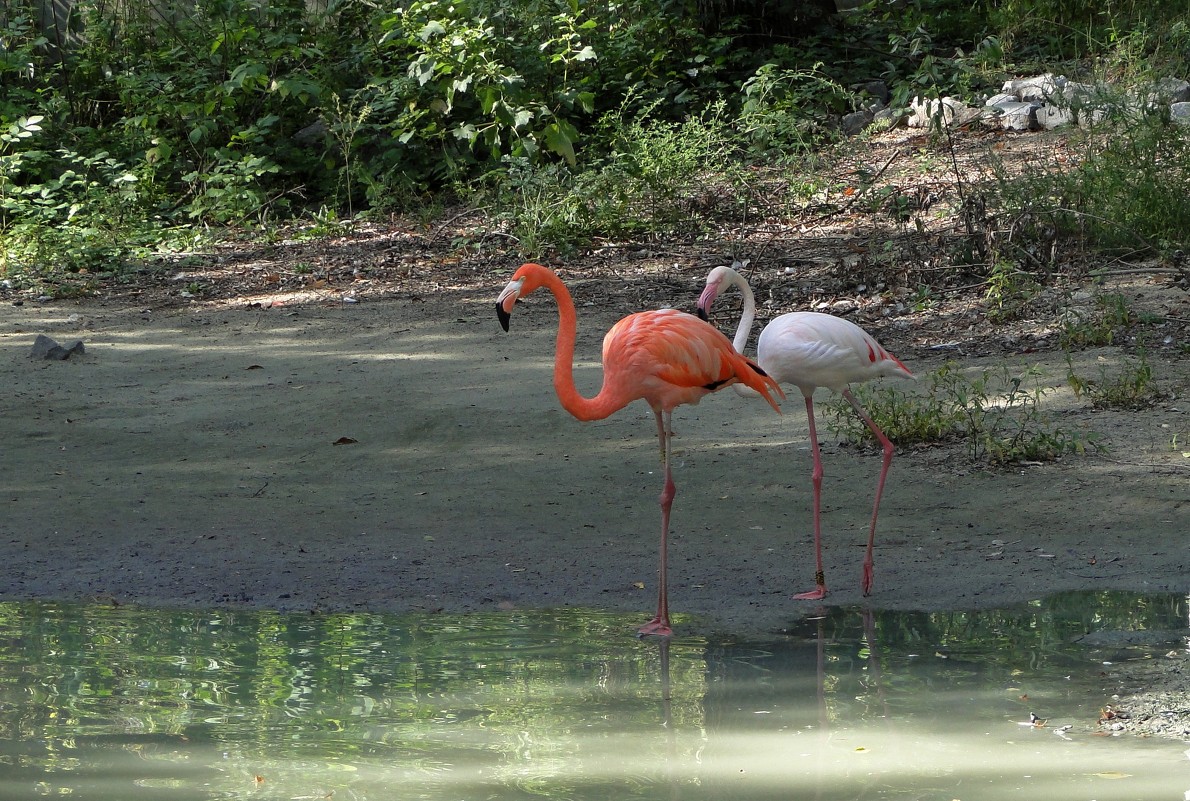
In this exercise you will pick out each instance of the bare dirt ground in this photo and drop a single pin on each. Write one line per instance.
(341, 424)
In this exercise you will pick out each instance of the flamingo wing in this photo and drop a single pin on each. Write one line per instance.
(669, 357)
(809, 349)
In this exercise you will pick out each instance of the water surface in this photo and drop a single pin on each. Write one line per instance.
(101, 702)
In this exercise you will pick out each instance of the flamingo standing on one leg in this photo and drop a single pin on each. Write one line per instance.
(664, 357)
(811, 350)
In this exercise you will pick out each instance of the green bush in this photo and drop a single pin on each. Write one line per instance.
(600, 119)
(997, 414)
(1128, 192)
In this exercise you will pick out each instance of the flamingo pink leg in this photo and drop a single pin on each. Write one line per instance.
(887, 446)
(659, 625)
(818, 592)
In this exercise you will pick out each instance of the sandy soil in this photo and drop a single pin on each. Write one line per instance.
(407, 455)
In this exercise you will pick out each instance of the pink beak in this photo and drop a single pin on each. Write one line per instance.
(706, 299)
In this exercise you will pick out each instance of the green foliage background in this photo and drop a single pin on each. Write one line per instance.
(120, 122)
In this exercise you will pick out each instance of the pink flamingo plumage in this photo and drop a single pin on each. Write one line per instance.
(664, 357)
(811, 350)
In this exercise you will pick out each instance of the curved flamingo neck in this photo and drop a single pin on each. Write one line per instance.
(745, 328)
(604, 403)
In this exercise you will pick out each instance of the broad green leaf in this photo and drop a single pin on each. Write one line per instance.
(422, 70)
(503, 113)
(160, 153)
(432, 28)
(488, 98)
(560, 137)
(586, 54)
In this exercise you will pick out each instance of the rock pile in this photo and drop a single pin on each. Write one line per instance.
(1028, 104)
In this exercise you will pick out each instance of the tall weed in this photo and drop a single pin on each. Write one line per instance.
(997, 414)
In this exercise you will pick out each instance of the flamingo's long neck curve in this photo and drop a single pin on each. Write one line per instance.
(745, 328)
(608, 400)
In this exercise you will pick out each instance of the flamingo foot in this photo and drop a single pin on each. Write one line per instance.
(865, 583)
(656, 628)
(816, 594)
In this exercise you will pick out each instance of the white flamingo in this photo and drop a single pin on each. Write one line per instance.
(811, 350)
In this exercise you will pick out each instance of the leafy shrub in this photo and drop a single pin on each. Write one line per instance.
(1129, 192)
(635, 117)
(786, 113)
(1133, 386)
(996, 414)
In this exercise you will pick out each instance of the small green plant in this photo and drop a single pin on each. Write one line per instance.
(232, 191)
(1132, 387)
(660, 177)
(1097, 326)
(923, 299)
(1009, 290)
(997, 414)
(1178, 442)
(933, 416)
(13, 161)
(1129, 192)
(344, 123)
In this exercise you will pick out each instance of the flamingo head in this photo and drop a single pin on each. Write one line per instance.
(716, 278)
(526, 279)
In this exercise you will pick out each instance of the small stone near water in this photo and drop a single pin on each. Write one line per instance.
(46, 348)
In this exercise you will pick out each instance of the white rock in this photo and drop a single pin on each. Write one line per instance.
(924, 113)
(1016, 116)
(1040, 87)
(1172, 90)
(1050, 117)
(1078, 95)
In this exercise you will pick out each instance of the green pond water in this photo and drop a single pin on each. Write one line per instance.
(100, 702)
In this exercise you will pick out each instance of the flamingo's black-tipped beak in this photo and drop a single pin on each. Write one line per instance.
(508, 298)
(706, 299)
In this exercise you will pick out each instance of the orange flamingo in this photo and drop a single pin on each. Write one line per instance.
(664, 357)
(811, 350)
